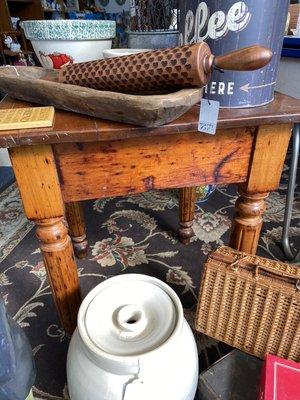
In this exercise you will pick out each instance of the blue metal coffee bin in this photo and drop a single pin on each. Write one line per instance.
(228, 25)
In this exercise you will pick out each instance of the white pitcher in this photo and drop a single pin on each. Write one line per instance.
(132, 343)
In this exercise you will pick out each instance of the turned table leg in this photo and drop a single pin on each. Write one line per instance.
(268, 155)
(187, 198)
(249, 209)
(36, 175)
(59, 261)
(77, 231)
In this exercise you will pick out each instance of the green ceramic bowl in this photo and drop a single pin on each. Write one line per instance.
(69, 29)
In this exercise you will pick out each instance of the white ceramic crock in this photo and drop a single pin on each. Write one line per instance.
(60, 42)
(132, 343)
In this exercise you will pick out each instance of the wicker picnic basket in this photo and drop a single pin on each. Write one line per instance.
(251, 303)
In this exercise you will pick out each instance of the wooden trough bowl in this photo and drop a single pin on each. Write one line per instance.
(26, 83)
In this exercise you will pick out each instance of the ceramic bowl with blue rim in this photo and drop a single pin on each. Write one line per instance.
(58, 43)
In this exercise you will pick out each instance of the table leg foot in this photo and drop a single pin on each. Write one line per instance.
(80, 245)
(187, 198)
(77, 230)
(249, 209)
(61, 268)
(185, 232)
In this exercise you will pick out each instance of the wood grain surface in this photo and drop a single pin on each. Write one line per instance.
(268, 155)
(77, 230)
(269, 151)
(248, 221)
(103, 169)
(61, 269)
(187, 199)
(39, 187)
(246, 59)
(36, 175)
(145, 110)
(70, 127)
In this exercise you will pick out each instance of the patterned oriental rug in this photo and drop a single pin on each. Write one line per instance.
(126, 235)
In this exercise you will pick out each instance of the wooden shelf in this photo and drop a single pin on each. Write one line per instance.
(25, 10)
(11, 32)
(8, 52)
(61, 11)
(20, 1)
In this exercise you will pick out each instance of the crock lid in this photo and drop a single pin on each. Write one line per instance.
(130, 315)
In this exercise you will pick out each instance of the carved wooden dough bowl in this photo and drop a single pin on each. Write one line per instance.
(25, 83)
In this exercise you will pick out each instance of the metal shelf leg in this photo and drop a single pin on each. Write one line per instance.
(289, 253)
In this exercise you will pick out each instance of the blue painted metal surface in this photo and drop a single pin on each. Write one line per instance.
(227, 25)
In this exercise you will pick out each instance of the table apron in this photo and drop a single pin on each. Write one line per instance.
(115, 168)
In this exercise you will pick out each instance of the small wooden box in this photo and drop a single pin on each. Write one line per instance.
(251, 303)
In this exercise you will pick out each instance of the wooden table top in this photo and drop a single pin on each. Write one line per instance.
(71, 127)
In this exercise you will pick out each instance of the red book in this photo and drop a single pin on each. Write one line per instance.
(280, 379)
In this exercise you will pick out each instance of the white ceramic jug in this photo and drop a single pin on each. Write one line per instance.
(132, 343)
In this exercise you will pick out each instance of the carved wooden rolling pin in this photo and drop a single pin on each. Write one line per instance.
(184, 66)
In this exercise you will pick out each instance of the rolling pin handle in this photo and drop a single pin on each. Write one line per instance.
(246, 59)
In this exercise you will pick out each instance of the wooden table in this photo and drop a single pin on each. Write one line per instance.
(83, 158)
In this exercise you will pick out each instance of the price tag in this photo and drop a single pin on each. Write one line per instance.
(208, 116)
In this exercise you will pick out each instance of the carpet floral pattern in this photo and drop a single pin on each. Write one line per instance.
(126, 235)
(13, 223)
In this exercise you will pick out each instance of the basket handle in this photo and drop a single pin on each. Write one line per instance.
(236, 263)
(281, 274)
(271, 271)
(258, 267)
